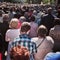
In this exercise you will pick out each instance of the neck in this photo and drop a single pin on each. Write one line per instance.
(23, 33)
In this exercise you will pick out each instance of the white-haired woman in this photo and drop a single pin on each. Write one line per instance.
(12, 33)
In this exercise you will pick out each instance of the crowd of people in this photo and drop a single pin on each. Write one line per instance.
(29, 32)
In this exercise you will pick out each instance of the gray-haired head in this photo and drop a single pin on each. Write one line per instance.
(22, 19)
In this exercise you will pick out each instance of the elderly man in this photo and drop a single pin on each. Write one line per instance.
(44, 43)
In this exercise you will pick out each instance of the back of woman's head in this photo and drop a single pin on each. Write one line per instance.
(19, 53)
(13, 23)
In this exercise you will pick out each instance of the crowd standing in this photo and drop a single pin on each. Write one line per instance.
(34, 27)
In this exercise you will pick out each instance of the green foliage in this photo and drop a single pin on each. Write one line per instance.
(47, 1)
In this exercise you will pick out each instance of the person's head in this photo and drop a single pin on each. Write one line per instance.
(42, 31)
(19, 53)
(5, 17)
(49, 10)
(12, 9)
(22, 19)
(25, 27)
(34, 12)
(13, 23)
(32, 18)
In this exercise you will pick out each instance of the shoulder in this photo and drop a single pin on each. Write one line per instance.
(14, 42)
(45, 15)
(49, 56)
(11, 30)
(34, 39)
(52, 56)
(21, 40)
(16, 39)
(8, 31)
(52, 29)
(50, 39)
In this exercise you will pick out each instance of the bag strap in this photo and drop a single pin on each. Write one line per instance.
(41, 42)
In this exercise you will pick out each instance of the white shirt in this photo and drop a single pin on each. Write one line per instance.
(11, 34)
(45, 47)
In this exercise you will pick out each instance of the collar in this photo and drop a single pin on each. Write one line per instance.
(24, 35)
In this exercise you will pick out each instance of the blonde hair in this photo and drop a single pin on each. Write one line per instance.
(13, 23)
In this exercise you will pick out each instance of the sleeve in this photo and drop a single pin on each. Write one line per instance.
(8, 53)
(7, 39)
(49, 56)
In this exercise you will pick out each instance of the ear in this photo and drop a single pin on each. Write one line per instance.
(28, 31)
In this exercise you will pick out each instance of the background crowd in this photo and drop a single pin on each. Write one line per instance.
(36, 27)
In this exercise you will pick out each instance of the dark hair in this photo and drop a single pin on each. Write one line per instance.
(5, 17)
(42, 31)
(17, 15)
(12, 9)
(25, 27)
(49, 10)
(32, 18)
(19, 53)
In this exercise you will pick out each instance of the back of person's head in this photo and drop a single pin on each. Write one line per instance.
(25, 27)
(5, 17)
(19, 53)
(35, 12)
(12, 9)
(13, 23)
(42, 31)
(22, 19)
(32, 18)
(49, 10)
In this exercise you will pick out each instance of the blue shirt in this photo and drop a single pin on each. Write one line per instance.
(53, 56)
